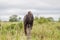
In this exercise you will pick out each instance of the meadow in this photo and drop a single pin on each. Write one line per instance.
(44, 31)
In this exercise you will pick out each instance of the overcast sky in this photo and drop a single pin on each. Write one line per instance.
(44, 8)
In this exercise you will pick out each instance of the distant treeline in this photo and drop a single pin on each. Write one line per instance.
(15, 18)
(45, 20)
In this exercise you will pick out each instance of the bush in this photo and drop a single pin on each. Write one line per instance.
(10, 27)
(59, 20)
(20, 25)
(36, 18)
(42, 20)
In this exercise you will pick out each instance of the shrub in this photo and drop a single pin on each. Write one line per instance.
(10, 27)
(20, 25)
(42, 20)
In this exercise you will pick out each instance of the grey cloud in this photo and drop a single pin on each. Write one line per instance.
(31, 4)
(10, 7)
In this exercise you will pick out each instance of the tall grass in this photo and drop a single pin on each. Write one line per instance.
(15, 31)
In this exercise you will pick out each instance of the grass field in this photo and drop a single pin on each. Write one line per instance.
(15, 31)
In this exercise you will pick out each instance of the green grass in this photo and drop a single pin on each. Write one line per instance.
(15, 31)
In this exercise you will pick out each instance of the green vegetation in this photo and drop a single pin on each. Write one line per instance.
(44, 20)
(14, 18)
(43, 29)
(59, 20)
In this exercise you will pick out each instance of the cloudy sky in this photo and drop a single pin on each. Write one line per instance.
(46, 8)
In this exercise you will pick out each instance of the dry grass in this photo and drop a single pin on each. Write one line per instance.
(46, 31)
